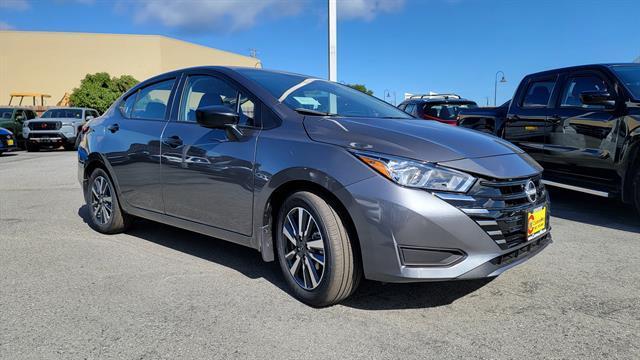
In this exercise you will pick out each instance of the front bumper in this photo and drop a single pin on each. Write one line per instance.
(52, 139)
(391, 219)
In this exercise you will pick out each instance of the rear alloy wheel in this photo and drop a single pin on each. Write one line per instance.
(102, 201)
(315, 251)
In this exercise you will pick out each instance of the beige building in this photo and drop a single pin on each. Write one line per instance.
(54, 62)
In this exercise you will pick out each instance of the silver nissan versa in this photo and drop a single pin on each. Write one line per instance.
(331, 183)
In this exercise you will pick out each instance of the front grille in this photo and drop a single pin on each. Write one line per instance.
(45, 125)
(500, 208)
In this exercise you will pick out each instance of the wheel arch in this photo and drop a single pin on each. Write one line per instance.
(325, 189)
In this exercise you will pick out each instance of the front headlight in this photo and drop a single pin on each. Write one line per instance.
(415, 174)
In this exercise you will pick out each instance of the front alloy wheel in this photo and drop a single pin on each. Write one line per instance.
(316, 252)
(304, 250)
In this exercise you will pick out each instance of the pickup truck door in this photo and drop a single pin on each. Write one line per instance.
(527, 117)
(581, 142)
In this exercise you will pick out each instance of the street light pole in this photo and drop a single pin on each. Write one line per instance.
(333, 39)
(495, 86)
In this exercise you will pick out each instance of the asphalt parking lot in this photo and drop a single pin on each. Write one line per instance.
(68, 292)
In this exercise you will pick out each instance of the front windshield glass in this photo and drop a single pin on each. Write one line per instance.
(448, 111)
(62, 113)
(630, 76)
(321, 96)
(6, 113)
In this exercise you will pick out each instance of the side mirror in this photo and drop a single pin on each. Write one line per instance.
(89, 117)
(597, 98)
(20, 118)
(216, 117)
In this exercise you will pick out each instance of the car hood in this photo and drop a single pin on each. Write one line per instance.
(4, 131)
(429, 141)
(422, 140)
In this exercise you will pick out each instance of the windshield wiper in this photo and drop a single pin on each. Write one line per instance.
(313, 112)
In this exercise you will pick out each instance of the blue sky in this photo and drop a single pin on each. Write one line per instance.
(400, 45)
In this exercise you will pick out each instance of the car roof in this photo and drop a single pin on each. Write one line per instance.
(580, 67)
(68, 108)
(438, 100)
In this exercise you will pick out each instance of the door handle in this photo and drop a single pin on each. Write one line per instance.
(513, 118)
(113, 128)
(173, 141)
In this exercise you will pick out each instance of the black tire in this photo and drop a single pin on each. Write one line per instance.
(32, 147)
(341, 270)
(635, 184)
(1, 152)
(105, 219)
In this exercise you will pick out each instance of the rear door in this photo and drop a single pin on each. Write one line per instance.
(581, 138)
(527, 117)
(133, 135)
(208, 174)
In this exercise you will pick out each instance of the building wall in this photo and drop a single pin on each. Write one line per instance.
(54, 63)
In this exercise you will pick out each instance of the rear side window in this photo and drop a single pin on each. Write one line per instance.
(578, 84)
(410, 109)
(538, 93)
(152, 101)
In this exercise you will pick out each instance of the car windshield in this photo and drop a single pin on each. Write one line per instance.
(320, 97)
(448, 111)
(6, 113)
(630, 76)
(62, 113)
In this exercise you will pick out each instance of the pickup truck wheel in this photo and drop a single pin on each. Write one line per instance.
(315, 251)
(105, 213)
(636, 189)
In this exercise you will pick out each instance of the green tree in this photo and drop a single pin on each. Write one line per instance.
(361, 87)
(100, 90)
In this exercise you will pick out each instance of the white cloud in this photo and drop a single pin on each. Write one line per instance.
(200, 15)
(5, 26)
(15, 4)
(367, 9)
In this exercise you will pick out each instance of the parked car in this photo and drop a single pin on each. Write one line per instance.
(7, 141)
(57, 127)
(330, 181)
(443, 108)
(581, 123)
(12, 119)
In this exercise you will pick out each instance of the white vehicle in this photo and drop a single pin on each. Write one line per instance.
(57, 127)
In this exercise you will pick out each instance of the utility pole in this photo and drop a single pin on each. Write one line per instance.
(333, 39)
(333, 53)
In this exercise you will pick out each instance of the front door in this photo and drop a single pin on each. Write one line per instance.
(527, 117)
(208, 173)
(581, 138)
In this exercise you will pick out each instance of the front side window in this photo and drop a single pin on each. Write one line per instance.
(630, 77)
(538, 93)
(31, 114)
(301, 93)
(62, 114)
(578, 84)
(202, 91)
(152, 101)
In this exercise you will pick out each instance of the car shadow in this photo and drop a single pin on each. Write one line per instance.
(8, 154)
(594, 210)
(371, 295)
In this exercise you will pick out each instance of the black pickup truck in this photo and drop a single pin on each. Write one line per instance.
(582, 124)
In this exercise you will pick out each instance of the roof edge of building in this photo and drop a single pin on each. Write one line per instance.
(156, 36)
